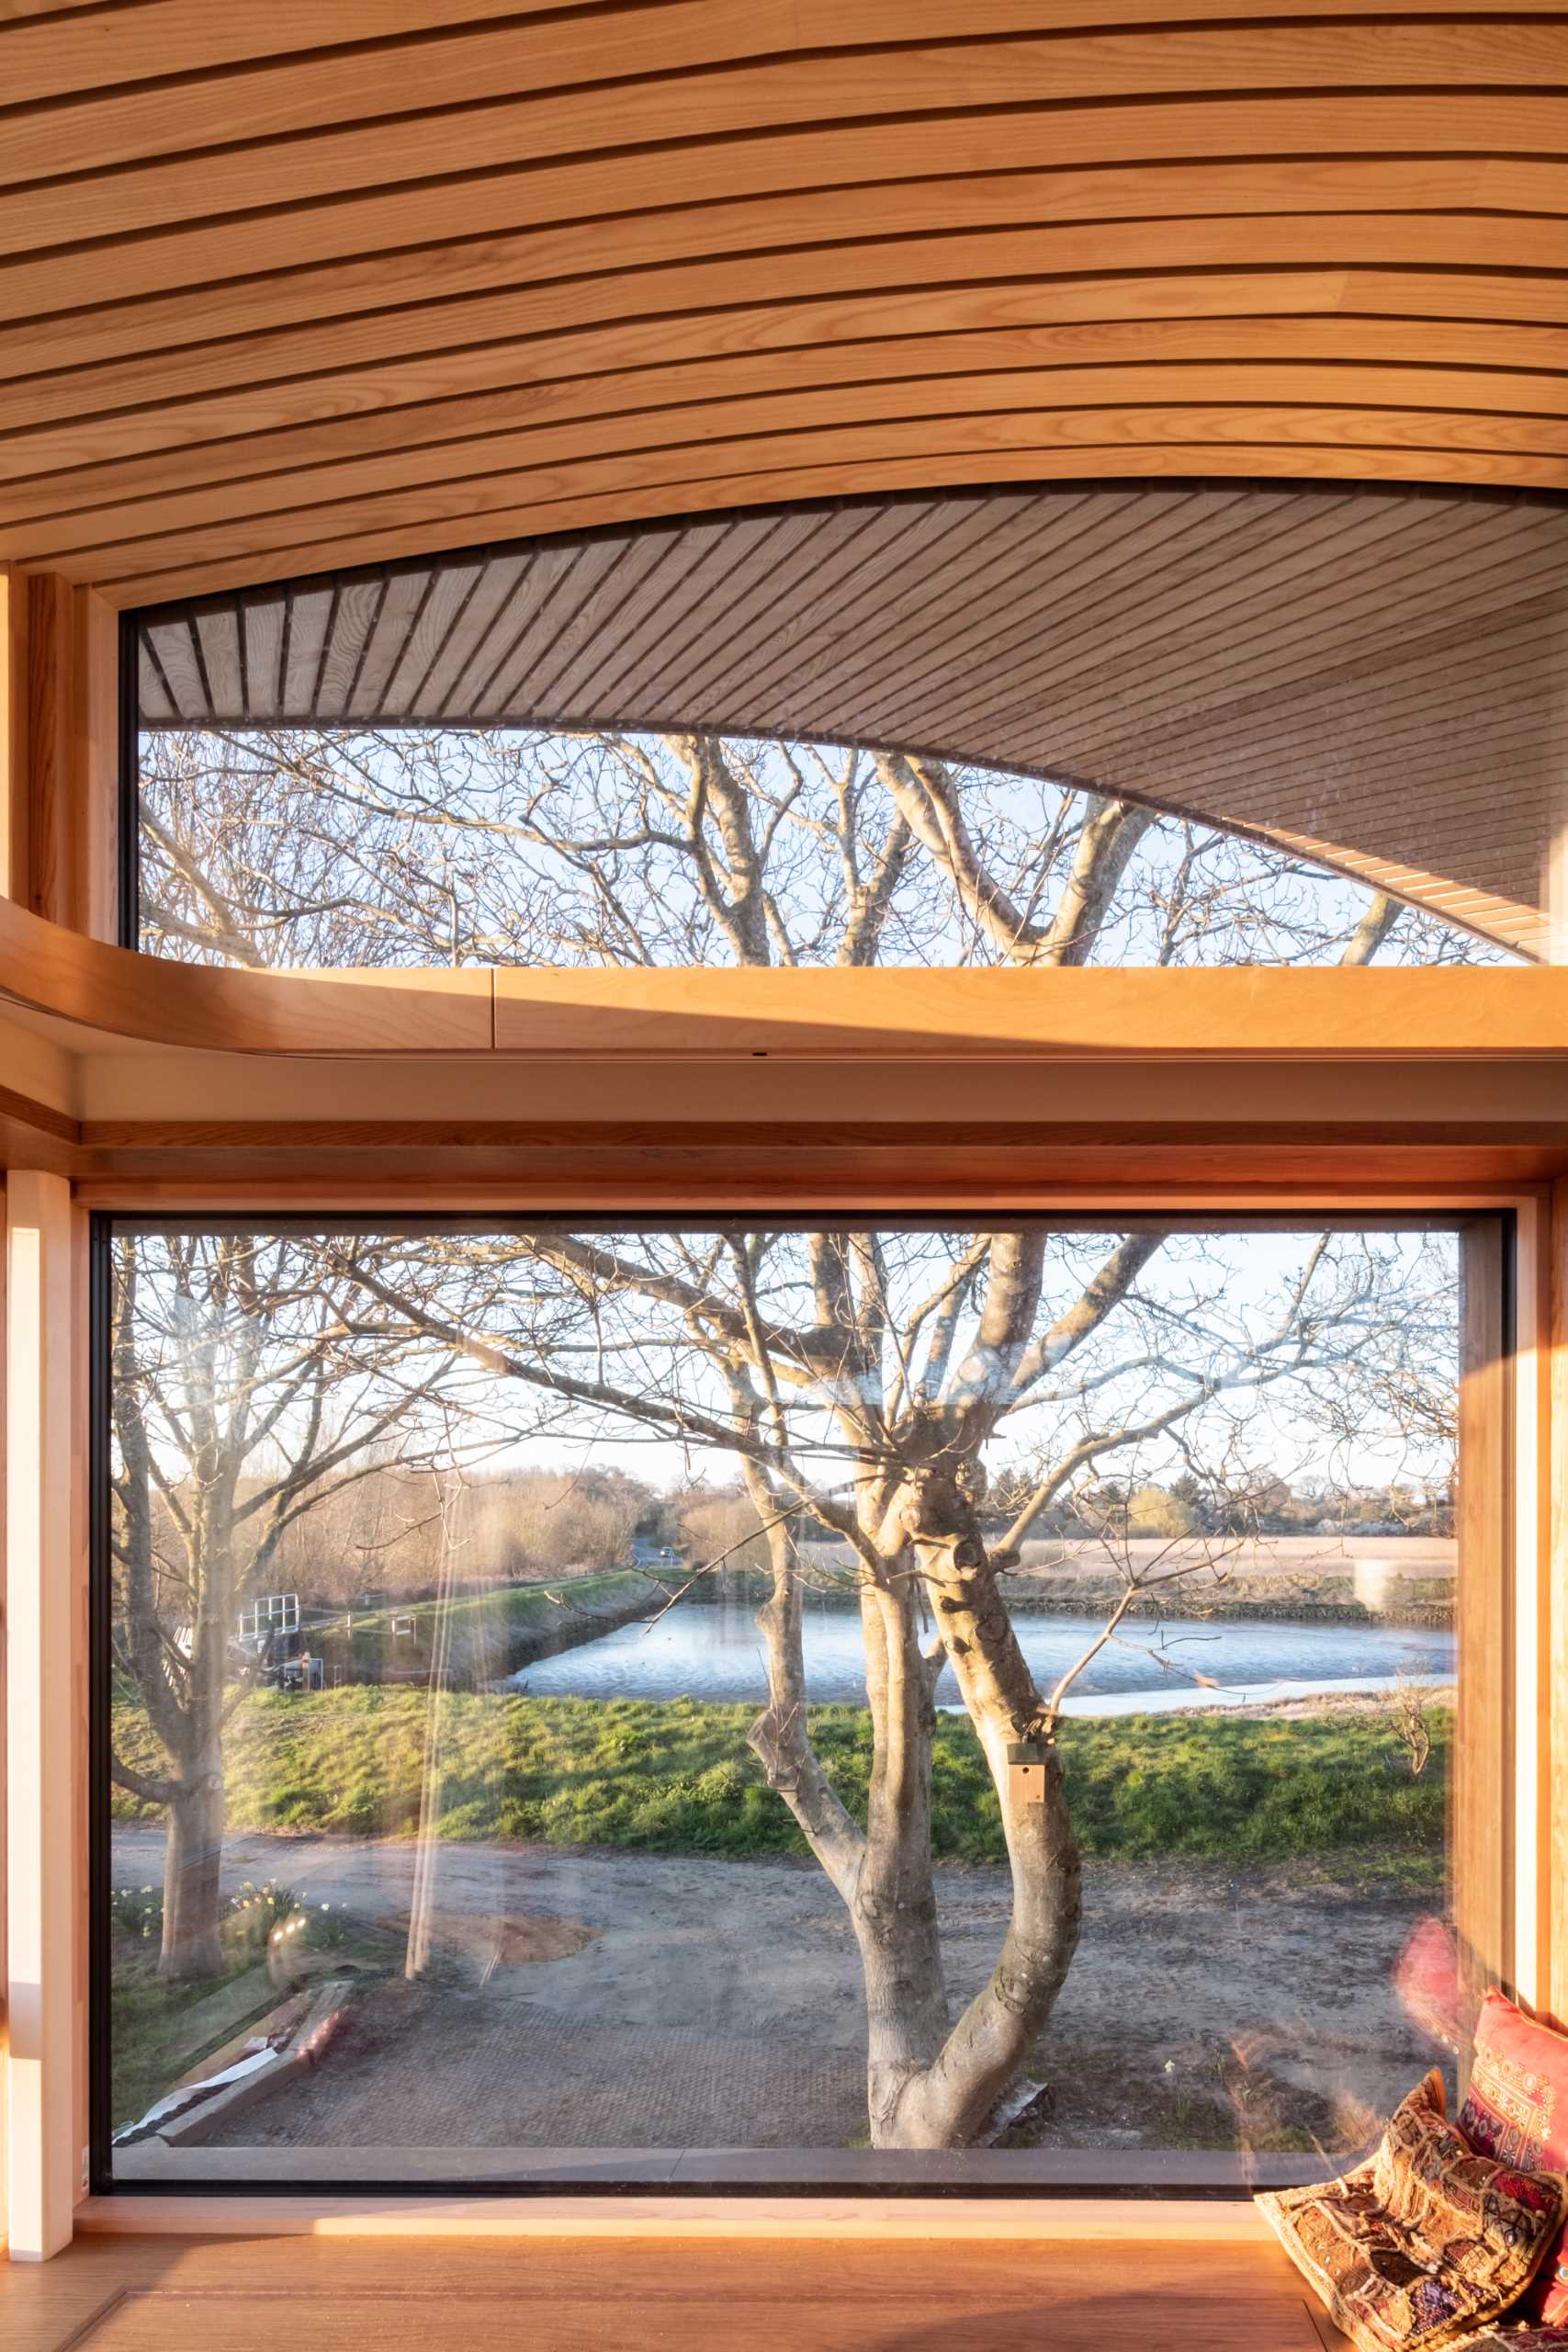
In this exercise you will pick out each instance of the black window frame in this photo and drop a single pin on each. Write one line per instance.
(978, 2175)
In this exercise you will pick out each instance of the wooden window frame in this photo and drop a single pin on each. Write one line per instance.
(1386, 1098)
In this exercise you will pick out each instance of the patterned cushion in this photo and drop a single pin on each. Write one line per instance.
(1516, 2110)
(1506, 2338)
(1425, 2243)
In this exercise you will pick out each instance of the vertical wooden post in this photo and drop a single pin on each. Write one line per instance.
(43, 1866)
(72, 756)
(60, 751)
(14, 762)
(1482, 1825)
(1532, 1600)
(1554, 1451)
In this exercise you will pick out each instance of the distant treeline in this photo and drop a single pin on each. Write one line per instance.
(385, 1536)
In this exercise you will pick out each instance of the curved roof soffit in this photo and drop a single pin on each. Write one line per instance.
(1365, 676)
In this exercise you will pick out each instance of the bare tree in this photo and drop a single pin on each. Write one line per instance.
(459, 847)
(236, 1410)
(859, 1378)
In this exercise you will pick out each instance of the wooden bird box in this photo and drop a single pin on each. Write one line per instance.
(1026, 1772)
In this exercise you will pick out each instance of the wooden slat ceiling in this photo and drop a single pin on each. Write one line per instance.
(286, 284)
(1371, 675)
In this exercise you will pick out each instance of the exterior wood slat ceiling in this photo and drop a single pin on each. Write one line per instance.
(1371, 675)
(288, 287)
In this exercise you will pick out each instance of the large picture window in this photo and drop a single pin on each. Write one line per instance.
(756, 1702)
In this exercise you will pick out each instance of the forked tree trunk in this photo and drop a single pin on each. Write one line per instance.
(193, 1858)
(934, 2083)
(945, 2105)
(992, 2041)
(929, 2083)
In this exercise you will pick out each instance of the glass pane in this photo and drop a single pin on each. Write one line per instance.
(421, 846)
(649, 1703)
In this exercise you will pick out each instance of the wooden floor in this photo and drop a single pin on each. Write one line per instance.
(339, 2294)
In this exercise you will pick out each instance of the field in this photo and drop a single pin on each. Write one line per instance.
(677, 1778)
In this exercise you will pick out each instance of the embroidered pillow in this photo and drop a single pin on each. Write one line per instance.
(1516, 2110)
(1427, 2242)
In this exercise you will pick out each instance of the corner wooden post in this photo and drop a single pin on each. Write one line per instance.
(1481, 1851)
(13, 764)
(72, 655)
(1554, 1455)
(44, 1868)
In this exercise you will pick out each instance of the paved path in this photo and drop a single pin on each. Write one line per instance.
(721, 2003)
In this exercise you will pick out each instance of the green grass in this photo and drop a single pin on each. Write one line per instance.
(677, 1777)
(160, 2027)
(156, 2031)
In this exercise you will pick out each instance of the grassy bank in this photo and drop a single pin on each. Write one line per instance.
(676, 1777)
(488, 1633)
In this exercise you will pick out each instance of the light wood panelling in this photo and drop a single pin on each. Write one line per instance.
(170, 2295)
(15, 764)
(1554, 1463)
(60, 751)
(581, 263)
(1013, 1016)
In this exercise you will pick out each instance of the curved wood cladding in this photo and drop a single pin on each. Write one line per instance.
(1369, 675)
(54, 970)
(876, 1015)
(279, 292)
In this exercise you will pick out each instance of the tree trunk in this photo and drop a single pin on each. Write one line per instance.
(946, 2105)
(908, 2019)
(945, 2101)
(893, 1910)
(192, 1858)
(929, 2083)
(885, 1876)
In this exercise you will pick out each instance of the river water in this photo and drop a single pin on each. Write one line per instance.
(713, 1651)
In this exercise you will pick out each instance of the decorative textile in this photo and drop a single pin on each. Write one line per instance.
(1516, 2110)
(1425, 2243)
(1506, 2338)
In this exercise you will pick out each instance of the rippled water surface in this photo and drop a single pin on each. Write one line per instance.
(713, 1651)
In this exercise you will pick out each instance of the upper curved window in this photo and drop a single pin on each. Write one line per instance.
(451, 846)
(922, 728)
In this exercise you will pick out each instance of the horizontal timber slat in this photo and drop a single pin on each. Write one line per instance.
(505, 433)
(498, 230)
(65, 466)
(455, 61)
(327, 285)
(128, 46)
(1052, 72)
